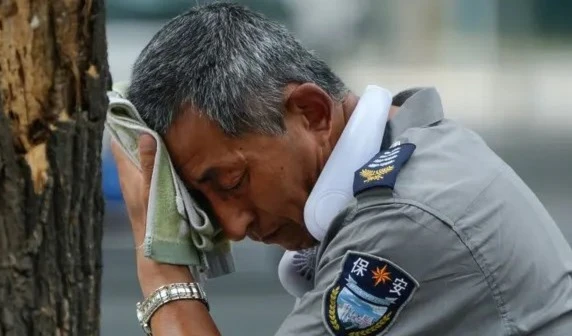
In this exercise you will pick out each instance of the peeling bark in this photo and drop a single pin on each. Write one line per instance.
(53, 79)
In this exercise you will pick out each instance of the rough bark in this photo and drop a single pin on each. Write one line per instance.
(53, 78)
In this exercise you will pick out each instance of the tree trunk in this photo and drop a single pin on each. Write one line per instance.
(53, 79)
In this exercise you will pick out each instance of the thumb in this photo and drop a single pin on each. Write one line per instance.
(147, 150)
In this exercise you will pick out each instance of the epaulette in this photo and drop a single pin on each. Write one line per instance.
(382, 169)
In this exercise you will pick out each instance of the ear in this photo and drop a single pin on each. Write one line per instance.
(313, 106)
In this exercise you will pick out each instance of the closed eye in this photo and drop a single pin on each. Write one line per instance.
(238, 183)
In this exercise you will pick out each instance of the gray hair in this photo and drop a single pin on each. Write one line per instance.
(229, 63)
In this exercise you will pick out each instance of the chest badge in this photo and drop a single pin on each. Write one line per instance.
(367, 296)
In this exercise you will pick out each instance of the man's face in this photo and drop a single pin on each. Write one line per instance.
(256, 185)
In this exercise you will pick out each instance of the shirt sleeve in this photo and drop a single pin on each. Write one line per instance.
(388, 268)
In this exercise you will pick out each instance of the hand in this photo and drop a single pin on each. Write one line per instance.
(135, 186)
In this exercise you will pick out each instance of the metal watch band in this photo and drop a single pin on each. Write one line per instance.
(166, 294)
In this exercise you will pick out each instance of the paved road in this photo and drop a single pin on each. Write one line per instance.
(248, 302)
(242, 303)
(252, 302)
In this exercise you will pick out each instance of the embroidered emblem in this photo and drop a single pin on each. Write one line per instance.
(367, 296)
(374, 175)
(382, 170)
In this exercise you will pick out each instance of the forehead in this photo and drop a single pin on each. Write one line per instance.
(194, 142)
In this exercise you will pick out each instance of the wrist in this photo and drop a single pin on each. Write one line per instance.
(153, 275)
(171, 302)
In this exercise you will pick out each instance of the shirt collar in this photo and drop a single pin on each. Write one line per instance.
(422, 108)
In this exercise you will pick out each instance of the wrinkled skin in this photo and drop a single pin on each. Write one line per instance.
(255, 185)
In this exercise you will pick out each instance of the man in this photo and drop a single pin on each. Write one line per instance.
(445, 241)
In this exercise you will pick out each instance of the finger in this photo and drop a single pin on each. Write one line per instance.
(116, 150)
(126, 170)
(121, 159)
(130, 178)
(147, 150)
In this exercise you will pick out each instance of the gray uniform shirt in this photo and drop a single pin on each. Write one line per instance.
(455, 232)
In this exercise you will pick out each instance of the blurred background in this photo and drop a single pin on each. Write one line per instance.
(503, 68)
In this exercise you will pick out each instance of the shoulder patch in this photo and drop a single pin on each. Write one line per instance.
(367, 296)
(382, 169)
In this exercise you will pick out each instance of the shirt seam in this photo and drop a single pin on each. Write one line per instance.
(493, 288)
(484, 264)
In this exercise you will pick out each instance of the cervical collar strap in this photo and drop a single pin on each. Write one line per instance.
(359, 141)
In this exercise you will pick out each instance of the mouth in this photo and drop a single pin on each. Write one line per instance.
(271, 237)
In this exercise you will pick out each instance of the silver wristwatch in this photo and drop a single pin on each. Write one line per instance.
(165, 294)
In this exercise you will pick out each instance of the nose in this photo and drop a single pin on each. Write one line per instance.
(234, 219)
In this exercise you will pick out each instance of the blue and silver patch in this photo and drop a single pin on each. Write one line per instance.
(367, 296)
(382, 169)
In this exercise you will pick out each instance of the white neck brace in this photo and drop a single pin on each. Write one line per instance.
(359, 142)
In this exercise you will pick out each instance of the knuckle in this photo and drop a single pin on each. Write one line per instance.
(147, 150)
(147, 164)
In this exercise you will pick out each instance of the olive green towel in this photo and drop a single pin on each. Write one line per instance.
(177, 231)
